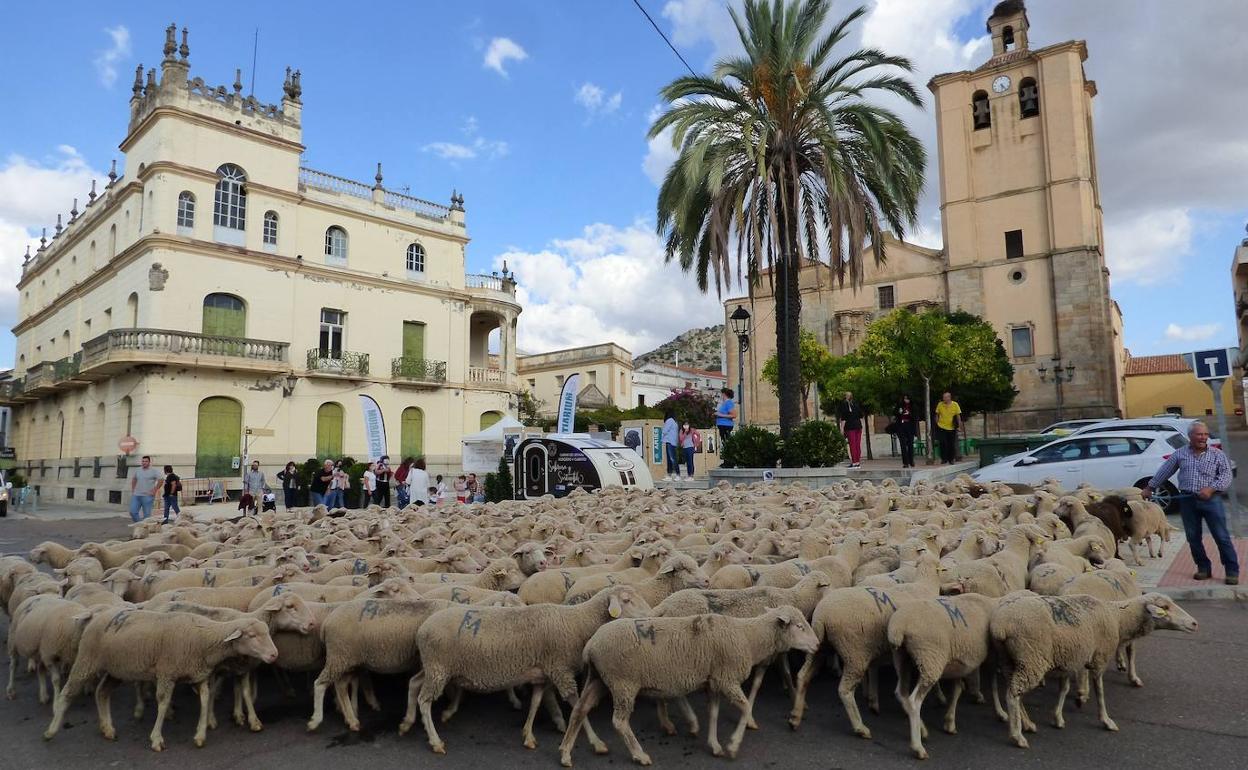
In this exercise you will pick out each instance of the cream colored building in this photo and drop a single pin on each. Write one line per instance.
(1023, 237)
(655, 381)
(606, 376)
(1166, 384)
(219, 286)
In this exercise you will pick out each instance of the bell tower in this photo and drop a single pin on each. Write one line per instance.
(1021, 218)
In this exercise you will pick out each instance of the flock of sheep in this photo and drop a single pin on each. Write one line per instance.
(628, 593)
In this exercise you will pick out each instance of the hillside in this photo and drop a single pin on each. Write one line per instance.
(698, 348)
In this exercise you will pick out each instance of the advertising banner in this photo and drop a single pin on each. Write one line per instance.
(374, 428)
(567, 404)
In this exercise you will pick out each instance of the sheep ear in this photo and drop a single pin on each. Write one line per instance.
(1156, 610)
(782, 620)
(236, 633)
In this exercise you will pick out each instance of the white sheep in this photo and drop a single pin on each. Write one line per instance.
(672, 657)
(1147, 519)
(141, 646)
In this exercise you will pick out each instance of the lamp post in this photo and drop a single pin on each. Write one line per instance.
(1061, 374)
(740, 320)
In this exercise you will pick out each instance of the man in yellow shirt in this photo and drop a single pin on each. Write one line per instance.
(948, 417)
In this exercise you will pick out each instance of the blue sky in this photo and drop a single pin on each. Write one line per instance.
(548, 144)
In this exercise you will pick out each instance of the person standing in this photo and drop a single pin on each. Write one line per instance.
(340, 485)
(472, 488)
(322, 485)
(368, 493)
(441, 487)
(173, 485)
(402, 490)
(254, 486)
(905, 428)
(289, 476)
(461, 488)
(849, 416)
(689, 439)
(671, 444)
(1204, 475)
(144, 485)
(418, 479)
(381, 495)
(725, 414)
(948, 419)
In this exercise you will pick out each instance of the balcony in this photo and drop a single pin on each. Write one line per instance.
(337, 363)
(417, 371)
(116, 349)
(12, 391)
(39, 379)
(479, 375)
(487, 284)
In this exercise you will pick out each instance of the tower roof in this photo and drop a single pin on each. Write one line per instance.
(1006, 9)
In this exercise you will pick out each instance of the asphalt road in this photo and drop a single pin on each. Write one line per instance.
(1191, 711)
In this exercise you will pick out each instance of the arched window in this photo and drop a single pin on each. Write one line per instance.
(186, 212)
(230, 204)
(1007, 38)
(132, 310)
(329, 430)
(224, 316)
(981, 113)
(270, 229)
(336, 245)
(415, 258)
(412, 436)
(488, 419)
(1028, 98)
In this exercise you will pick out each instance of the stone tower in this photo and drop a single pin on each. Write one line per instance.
(1021, 218)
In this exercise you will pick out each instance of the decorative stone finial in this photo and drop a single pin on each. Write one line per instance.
(238, 81)
(73, 213)
(378, 177)
(286, 84)
(184, 50)
(138, 81)
(26, 259)
(43, 239)
(296, 85)
(58, 226)
(112, 174)
(170, 44)
(457, 201)
(91, 195)
(151, 82)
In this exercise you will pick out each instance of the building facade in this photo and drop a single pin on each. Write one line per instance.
(1166, 385)
(220, 300)
(1023, 237)
(655, 381)
(606, 376)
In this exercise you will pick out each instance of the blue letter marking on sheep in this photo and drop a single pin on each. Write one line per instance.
(955, 613)
(881, 599)
(472, 620)
(645, 630)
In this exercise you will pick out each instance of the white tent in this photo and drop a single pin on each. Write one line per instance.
(482, 450)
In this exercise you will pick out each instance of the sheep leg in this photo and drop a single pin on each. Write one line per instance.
(1002, 715)
(755, 685)
(553, 710)
(103, 708)
(623, 702)
(1098, 682)
(413, 693)
(850, 679)
(690, 717)
(238, 702)
(912, 704)
(1059, 720)
(370, 695)
(249, 701)
(1120, 657)
(804, 675)
(73, 685)
(591, 693)
(665, 721)
(951, 714)
(452, 708)
(872, 689)
(43, 685)
(535, 700)
(786, 675)
(565, 684)
(11, 692)
(351, 703)
(1013, 702)
(1081, 693)
(318, 702)
(712, 723)
(972, 684)
(54, 671)
(512, 698)
(205, 706)
(283, 681)
(737, 698)
(1131, 675)
(430, 691)
(139, 702)
(164, 694)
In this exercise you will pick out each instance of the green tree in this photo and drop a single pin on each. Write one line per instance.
(689, 405)
(784, 161)
(530, 409)
(814, 366)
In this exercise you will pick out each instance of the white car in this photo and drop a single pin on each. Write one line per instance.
(1067, 427)
(1164, 424)
(1121, 458)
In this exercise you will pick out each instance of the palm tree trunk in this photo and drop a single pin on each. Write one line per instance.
(789, 322)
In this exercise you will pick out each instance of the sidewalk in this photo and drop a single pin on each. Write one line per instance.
(1172, 573)
(72, 512)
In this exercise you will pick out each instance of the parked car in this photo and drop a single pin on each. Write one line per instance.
(1066, 427)
(1164, 424)
(1123, 458)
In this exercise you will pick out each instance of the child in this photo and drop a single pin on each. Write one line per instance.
(441, 487)
(270, 502)
(433, 495)
(461, 488)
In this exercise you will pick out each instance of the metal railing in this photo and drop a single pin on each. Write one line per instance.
(418, 369)
(103, 347)
(483, 375)
(346, 362)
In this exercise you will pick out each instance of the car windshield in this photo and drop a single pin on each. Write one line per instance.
(1177, 440)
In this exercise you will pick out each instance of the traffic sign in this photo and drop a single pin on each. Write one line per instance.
(1212, 364)
(128, 444)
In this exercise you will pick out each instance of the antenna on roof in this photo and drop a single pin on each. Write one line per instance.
(255, 46)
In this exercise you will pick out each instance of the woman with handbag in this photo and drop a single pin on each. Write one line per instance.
(905, 428)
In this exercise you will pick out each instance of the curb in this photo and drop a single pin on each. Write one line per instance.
(1202, 593)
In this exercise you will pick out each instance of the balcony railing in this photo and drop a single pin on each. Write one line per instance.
(164, 341)
(483, 376)
(344, 362)
(11, 389)
(422, 207)
(418, 369)
(319, 180)
(38, 376)
(66, 368)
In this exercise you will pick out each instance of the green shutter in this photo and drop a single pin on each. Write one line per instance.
(218, 436)
(413, 340)
(224, 318)
(329, 431)
(488, 419)
(412, 434)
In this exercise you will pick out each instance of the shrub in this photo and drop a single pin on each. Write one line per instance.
(499, 486)
(751, 447)
(691, 406)
(815, 444)
(17, 480)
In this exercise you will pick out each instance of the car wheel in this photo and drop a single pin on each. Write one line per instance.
(1165, 495)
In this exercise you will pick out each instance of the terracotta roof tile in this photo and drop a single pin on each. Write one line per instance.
(1168, 364)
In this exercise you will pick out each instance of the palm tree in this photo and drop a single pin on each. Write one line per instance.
(784, 162)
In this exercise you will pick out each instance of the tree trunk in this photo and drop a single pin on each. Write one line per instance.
(927, 421)
(866, 432)
(788, 324)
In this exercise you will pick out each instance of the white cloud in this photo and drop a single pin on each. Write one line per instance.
(475, 146)
(1148, 248)
(500, 51)
(608, 285)
(31, 195)
(595, 100)
(107, 60)
(1193, 333)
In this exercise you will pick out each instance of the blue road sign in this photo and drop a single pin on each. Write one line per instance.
(1211, 364)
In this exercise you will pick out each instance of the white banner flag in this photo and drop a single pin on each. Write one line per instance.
(567, 404)
(374, 428)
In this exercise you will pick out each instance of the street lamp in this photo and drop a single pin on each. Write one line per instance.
(1061, 374)
(740, 320)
